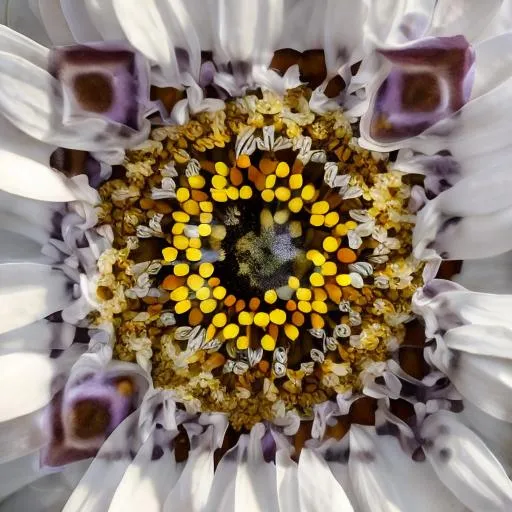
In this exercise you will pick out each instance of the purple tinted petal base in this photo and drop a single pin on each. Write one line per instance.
(429, 80)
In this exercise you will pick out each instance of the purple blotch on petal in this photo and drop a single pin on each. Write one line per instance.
(429, 80)
(101, 80)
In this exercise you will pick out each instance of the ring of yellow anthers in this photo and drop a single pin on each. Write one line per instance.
(261, 259)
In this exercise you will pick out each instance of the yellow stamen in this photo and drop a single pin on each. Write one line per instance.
(317, 220)
(205, 218)
(281, 217)
(303, 294)
(243, 161)
(180, 242)
(233, 193)
(203, 293)
(266, 218)
(283, 193)
(316, 257)
(329, 268)
(268, 343)
(191, 207)
(267, 195)
(204, 230)
(320, 208)
(180, 216)
(270, 181)
(182, 307)
(221, 168)
(206, 206)
(278, 316)
(206, 270)
(295, 182)
(197, 181)
(246, 192)
(308, 192)
(270, 296)
(319, 307)
(331, 219)
(181, 269)
(194, 282)
(182, 194)
(316, 279)
(343, 280)
(169, 254)
(330, 244)
(220, 196)
(179, 294)
(194, 243)
(193, 254)
(293, 282)
(231, 331)
(220, 320)
(295, 228)
(178, 228)
(282, 169)
(219, 182)
(340, 230)
(219, 232)
(242, 343)
(219, 292)
(304, 306)
(291, 331)
(261, 319)
(351, 225)
(208, 305)
(295, 205)
(245, 318)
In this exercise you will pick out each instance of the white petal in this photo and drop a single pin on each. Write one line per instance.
(23, 16)
(18, 44)
(21, 436)
(467, 17)
(311, 34)
(26, 170)
(19, 247)
(30, 376)
(16, 474)
(502, 22)
(104, 19)
(192, 489)
(30, 292)
(146, 482)
(222, 492)
(55, 23)
(465, 465)
(79, 21)
(385, 478)
(96, 489)
(318, 489)
(489, 275)
(287, 482)
(41, 336)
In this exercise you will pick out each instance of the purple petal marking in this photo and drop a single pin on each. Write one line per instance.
(80, 418)
(429, 80)
(102, 79)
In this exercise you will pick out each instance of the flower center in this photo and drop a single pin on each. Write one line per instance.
(261, 259)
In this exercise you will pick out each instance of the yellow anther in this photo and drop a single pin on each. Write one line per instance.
(331, 219)
(197, 181)
(220, 320)
(291, 332)
(270, 296)
(319, 307)
(221, 168)
(343, 279)
(295, 205)
(211, 331)
(320, 208)
(293, 282)
(282, 170)
(208, 306)
(266, 218)
(281, 217)
(246, 192)
(242, 343)
(317, 220)
(295, 228)
(180, 216)
(267, 195)
(268, 343)
(283, 193)
(231, 331)
(206, 206)
(203, 293)
(219, 292)
(169, 254)
(270, 181)
(220, 196)
(178, 228)
(219, 182)
(304, 306)
(330, 244)
(303, 294)
(194, 243)
(206, 270)
(182, 307)
(182, 194)
(205, 218)
(316, 279)
(261, 319)
(316, 257)
(181, 269)
(278, 316)
(180, 242)
(340, 230)
(243, 161)
(195, 282)
(320, 294)
(191, 207)
(351, 225)
(329, 268)
(233, 193)
(181, 293)
(308, 192)
(245, 318)
(296, 181)
(204, 230)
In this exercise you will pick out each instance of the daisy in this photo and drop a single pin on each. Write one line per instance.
(254, 255)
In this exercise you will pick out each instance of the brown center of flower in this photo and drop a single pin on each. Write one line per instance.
(421, 92)
(94, 92)
(90, 419)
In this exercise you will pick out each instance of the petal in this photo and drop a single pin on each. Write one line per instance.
(385, 478)
(26, 167)
(464, 464)
(318, 489)
(79, 22)
(30, 292)
(20, 472)
(54, 22)
(148, 479)
(104, 19)
(31, 375)
(287, 481)
(501, 22)
(23, 16)
(428, 81)
(18, 44)
(489, 275)
(96, 489)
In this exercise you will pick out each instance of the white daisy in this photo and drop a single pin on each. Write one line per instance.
(223, 227)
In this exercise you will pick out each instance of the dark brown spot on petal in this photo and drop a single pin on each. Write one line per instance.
(334, 87)
(362, 411)
(448, 269)
(421, 92)
(312, 67)
(284, 59)
(169, 96)
(90, 419)
(181, 447)
(94, 92)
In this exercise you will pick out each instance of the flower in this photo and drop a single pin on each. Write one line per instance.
(255, 255)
